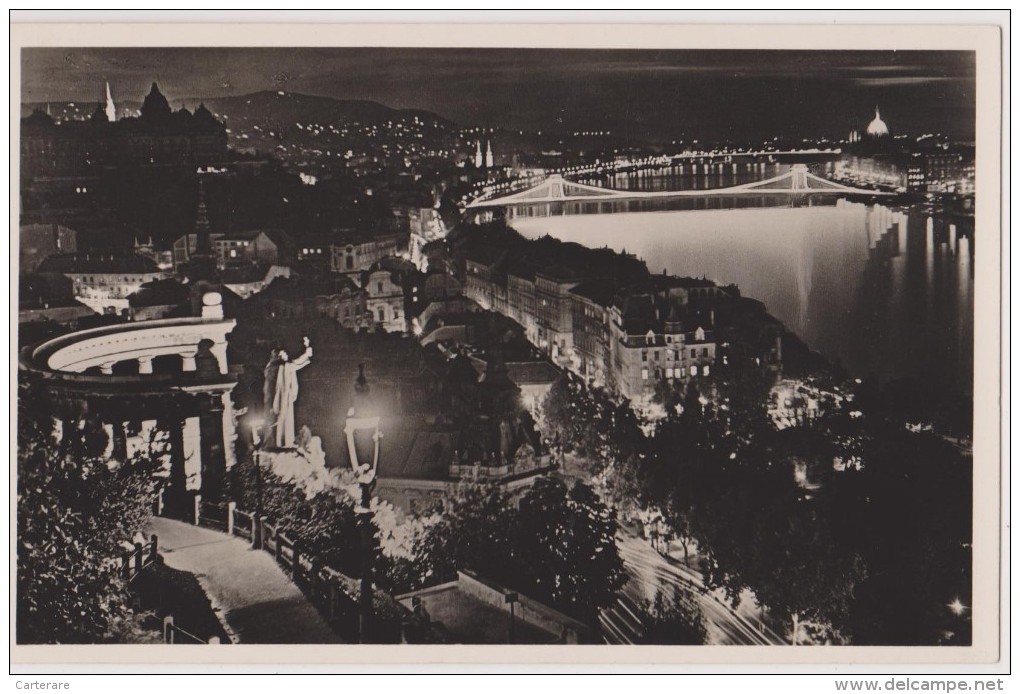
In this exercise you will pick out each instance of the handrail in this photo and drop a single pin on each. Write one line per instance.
(333, 593)
(137, 556)
(171, 631)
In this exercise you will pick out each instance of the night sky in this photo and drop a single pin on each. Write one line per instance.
(714, 95)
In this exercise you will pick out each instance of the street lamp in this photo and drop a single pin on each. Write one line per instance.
(510, 598)
(957, 607)
(256, 425)
(362, 433)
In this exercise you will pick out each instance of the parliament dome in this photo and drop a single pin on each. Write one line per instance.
(877, 127)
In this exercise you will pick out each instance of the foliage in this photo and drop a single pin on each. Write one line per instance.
(908, 512)
(850, 522)
(557, 547)
(471, 532)
(605, 433)
(323, 521)
(569, 539)
(73, 508)
(673, 620)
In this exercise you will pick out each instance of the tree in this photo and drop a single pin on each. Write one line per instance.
(558, 547)
(907, 511)
(472, 531)
(73, 508)
(569, 542)
(673, 621)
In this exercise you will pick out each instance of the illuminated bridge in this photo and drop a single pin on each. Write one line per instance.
(555, 188)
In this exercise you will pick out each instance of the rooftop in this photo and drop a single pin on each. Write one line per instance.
(100, 264)
(168, 292)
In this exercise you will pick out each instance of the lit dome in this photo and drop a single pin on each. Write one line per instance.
(877, 127)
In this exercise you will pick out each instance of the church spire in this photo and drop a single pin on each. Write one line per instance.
(478, 154)
(203, 244)
(488, 154)
(202, 266)
(111, 110)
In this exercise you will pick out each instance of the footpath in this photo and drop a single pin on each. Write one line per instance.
(256, 600)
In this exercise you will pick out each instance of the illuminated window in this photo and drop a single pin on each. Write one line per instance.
(694, 370)
(644, 374)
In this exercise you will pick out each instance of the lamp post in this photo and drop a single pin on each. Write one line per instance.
(362, 433)
(511, 599)
(256, 424)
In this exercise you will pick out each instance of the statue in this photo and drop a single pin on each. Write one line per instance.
(269, 374)
(286, 394)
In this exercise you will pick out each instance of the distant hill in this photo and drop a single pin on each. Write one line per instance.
(266, 106)
(289, 107)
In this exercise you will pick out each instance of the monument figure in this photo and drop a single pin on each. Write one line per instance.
(269, 374)
(286, 394)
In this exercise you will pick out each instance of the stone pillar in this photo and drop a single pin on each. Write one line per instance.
(229, 432)
(119, 441)
(220, 350)
(188, 361)
(108, 453)
(176, 496)
(145, 365)
(191, 441)
(212, 441)
(107, 368)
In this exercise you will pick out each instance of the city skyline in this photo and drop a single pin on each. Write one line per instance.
(639, 94)
(501, 346)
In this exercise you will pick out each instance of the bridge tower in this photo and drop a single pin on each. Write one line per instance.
(798, 177)
(555, 183)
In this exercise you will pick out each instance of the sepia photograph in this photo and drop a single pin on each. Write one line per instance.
(477, 344)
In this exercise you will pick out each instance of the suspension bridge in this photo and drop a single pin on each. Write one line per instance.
(555, 188)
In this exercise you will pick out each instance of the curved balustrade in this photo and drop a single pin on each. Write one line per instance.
(73, 354)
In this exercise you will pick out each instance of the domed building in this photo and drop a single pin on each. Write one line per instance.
(877, 128)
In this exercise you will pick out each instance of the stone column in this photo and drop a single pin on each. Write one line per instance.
(212, 440)
(108, 453)
(176, 495)
(191, 441)
(229, 432)
(188, 359)
(107, 368)
(220, 350)
(145, 365)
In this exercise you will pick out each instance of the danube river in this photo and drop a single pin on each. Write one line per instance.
(888, 292)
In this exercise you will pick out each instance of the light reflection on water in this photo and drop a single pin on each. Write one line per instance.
(887, 292)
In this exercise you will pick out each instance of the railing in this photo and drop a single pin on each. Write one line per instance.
(173, 634)
(134, 559)
(137, 556)
(334, 594)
